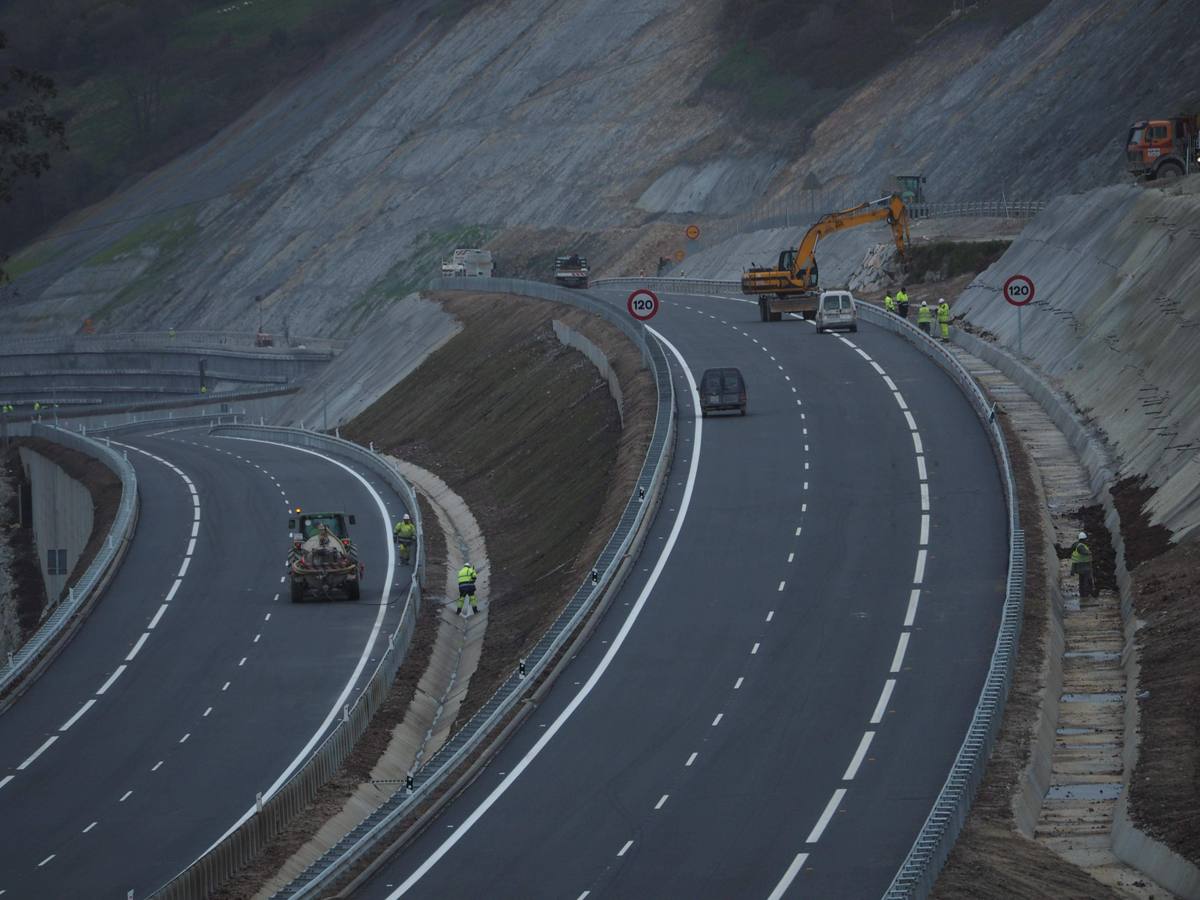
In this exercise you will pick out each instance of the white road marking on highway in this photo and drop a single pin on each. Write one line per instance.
(196, 514)
(737, 685)
(898, 657)
(191, 547)
(779, 367)
(281, 578)
(195, 500)
(36, 753)
(788, 877)
(78, 715)
(914, 598)
(625, 849)
(859, 755)
(912, 423)
(156, 766)
(823, 822)
(921, 473)
(125, 796)
(849, 343)
(242, 662)
(225, 687)
(46, 860)
(884, 699)
(171, 593)
(584, 895)
(924, 538)
(788, 378)
(267, 617)
(803, 508)
(919, 572)
(691, 759)
(862, 353)
(891, 384)
(601, 667)
(781, 585)
(191, 487)
(754, 649)
(806, 445)
(90, 827)
(806, 465)
(806, 485)
(661, 801)
(797, 531)
(916, 436)
(5, 780)
(137, 646)
(206, 712)
(275, 599)
(791, 557)
(924, 497)
(185, 737)
(877, 367)
(770, 615)
(111, 678)
(900, 399)
(798, 404)
(195, 528)
(187, 561)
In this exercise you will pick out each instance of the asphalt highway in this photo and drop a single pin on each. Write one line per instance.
(196, 683)
(775, 698)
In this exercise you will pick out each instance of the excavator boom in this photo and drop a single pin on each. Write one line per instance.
(796, 273)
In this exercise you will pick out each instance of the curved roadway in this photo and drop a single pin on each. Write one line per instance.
(196, 683)
(776, 697)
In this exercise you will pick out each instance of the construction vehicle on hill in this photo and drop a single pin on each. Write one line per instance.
(323, 561)
(468, 263)
(911, 188)
(1163, 148)
(571, 271)
(792, 287)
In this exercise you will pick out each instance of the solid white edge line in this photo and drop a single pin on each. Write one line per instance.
(36, 753)
(137, 646)
(78, 715)
(789, 876)
(111, 678)
(859, 755)
(336, 709)
(919, 572)
(884, 699)
(826, 816)
(601, 667)
(914, 597)
(901, 648)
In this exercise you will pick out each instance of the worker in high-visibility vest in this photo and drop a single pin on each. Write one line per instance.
(466, 587)
(943, 313)
(1081, 565)
(924, 317)
(405, 533)
(889, 304)
(902, 302)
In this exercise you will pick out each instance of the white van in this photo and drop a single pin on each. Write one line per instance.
(836, 310)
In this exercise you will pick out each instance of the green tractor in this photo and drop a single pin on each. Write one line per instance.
(323, 561)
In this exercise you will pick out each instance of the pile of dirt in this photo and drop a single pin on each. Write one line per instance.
(991, 859)
(1165, 793)
(371, 746)
(1143, 541)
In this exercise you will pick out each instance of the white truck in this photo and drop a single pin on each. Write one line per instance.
(468, 263)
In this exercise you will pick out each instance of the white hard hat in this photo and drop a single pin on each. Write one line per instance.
(941, 299)
(1083, 535)
(407, 517)
(923, 303)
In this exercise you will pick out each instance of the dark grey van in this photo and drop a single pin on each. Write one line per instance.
(722, 389)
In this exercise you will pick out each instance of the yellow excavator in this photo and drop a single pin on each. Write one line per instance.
(791, 287)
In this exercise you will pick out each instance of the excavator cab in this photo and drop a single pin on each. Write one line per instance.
(787, 259)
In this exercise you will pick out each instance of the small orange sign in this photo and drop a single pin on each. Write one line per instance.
(693, 232)
(679, 255)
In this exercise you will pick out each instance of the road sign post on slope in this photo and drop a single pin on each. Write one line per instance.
(1018, 290)
(643, 304)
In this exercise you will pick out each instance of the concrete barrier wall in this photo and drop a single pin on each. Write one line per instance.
(572, 338)
(62, 519)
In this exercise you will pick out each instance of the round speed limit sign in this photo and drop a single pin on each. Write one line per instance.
(643, 304)
(1018, 290)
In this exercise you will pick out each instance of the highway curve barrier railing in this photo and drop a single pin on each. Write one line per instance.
(916, 876)
(21, 667)
(115, 342)
(275, 811)
(375, 832)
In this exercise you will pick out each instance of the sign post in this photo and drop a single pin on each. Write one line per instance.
(642, 304)
(1018, 290)
(692, 232)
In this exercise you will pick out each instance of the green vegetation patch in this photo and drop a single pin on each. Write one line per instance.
(950, 259)
(166, 232)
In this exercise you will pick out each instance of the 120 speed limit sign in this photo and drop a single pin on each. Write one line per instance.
(643, 304)
(1018, 290)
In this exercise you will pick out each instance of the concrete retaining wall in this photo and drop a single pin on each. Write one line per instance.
(62, 519)
(572, 338)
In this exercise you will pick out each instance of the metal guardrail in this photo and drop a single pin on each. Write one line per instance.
(81, 592)
(161, 340)
(678, 285)
(274, 812)
(372, 830)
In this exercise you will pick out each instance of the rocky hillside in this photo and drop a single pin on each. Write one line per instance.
(572, 124)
